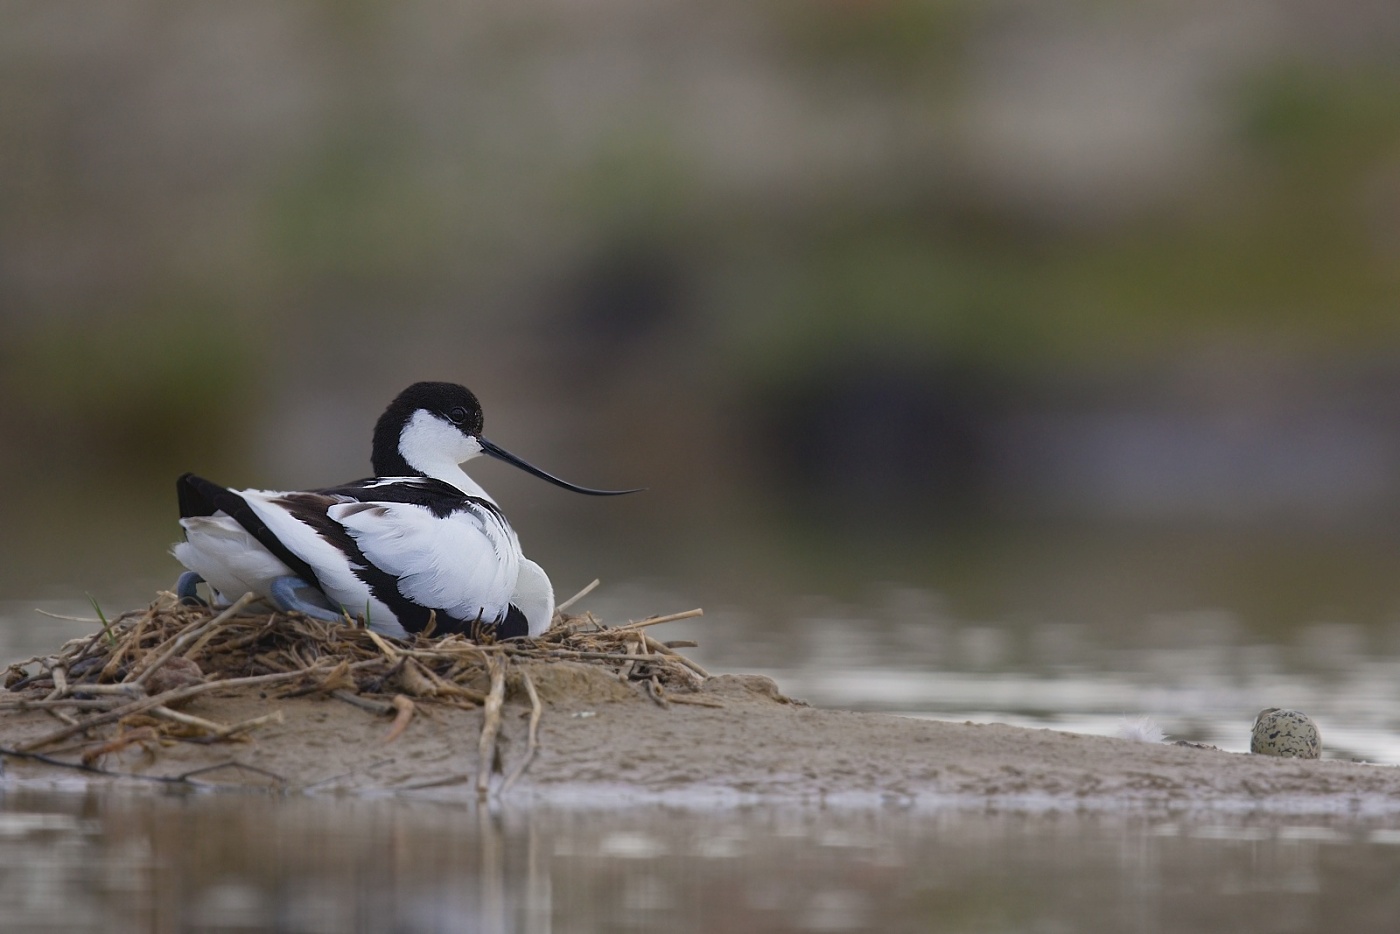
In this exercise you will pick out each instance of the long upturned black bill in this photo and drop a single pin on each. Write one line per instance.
(509, 458)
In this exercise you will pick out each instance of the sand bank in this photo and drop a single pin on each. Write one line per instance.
(735, 738)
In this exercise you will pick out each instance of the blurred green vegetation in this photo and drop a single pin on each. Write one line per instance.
(132, 395)
(1295, 236)
(1288, 228)
(214, 217)
(901, 42)
(355, 210)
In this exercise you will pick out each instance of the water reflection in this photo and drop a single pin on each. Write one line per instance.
(241, 863)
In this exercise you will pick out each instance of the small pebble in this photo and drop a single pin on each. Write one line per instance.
(1286, 733)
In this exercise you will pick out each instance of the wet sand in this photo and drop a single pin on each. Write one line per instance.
(737, 740)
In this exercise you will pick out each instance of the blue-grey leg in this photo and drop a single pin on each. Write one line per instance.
(185, 589)
(293, 593)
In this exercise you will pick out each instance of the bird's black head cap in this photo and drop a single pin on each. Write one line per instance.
(448, 401)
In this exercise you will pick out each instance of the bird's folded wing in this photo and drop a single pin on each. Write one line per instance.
(465, 562)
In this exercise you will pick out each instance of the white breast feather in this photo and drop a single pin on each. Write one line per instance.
(465, 564)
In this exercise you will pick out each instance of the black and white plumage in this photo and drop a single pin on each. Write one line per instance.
(419, 540)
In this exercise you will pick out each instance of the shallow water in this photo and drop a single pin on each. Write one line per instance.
(1075, 636)
(158, 862)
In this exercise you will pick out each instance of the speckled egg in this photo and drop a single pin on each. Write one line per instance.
(1285, 733)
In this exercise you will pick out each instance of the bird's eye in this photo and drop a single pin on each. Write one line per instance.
(458, 415)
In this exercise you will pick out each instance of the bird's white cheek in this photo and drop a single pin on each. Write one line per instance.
(469, 448)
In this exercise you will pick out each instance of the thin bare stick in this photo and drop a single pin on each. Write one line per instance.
(159, 653)
(578, 596)
(245, 725)
(92, 769)
(490, 726)
(189, 636)
(67, 703)
(69, 619)
(364, 703)
(140, 735)
(132, 642)
(662, 648)
(616, 656)
(199, 644)
(693, 666)
(536, 711)
(185, 719)
(445, 688)
(634, 648)
(28, 661)
(658, 620)
(87, 646)
(166, 699)
(127, 690)
(465, 649)
(694, 701)
(60, 683)
(240, 642)
(216, 731)
(389, 651)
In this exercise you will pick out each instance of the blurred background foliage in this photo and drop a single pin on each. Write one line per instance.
(874, 275)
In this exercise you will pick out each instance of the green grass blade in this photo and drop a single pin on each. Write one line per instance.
(111, 637)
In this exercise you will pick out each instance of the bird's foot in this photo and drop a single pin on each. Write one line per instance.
(186, 588)
(295, 594)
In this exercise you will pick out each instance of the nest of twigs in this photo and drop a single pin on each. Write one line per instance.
(131, 675)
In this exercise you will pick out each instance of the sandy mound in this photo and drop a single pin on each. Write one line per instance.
(585, 713)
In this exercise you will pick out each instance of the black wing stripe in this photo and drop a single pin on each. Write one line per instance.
(200, 497)
(310, 508)
(438, 497)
